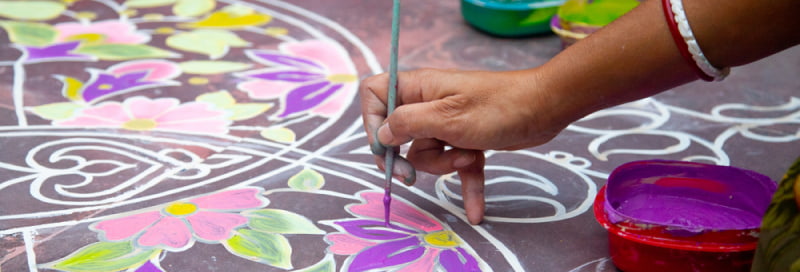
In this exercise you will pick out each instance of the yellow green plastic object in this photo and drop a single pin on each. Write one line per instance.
(510, 18)
(594, 12)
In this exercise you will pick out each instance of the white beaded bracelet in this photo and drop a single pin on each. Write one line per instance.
(694, 48)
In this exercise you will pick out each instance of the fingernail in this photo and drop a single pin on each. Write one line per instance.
(385, 134)
(410, 179)
(475, 219)
(464, 159)
(376, 147)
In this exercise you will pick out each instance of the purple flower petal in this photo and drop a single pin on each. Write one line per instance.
(308, 96)
(451, 262)
(54, 52)
(107, 84)
(290, 76)
(284, 60)
(370, 229)
(388, 254)
(148, 266)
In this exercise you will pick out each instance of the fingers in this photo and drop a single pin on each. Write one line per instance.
(429, 155)
(425, 107)
(402, 170)
(472, 189)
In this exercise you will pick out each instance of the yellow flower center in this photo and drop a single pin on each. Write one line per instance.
(165, 30)
(140, 124)
(87, 37)
(342, 78)
(180, 208)
(445, 238)
(198, 80)
(105, 86)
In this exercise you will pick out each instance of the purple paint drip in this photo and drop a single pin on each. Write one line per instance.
(387, 203)
(688, 196)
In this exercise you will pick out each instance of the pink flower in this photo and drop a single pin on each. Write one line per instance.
(313, 76)
(177, 225)
(143, 114)
(414, 241)
(112, 31)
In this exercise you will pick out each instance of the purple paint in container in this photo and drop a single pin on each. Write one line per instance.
(683, 216)
(687, 196)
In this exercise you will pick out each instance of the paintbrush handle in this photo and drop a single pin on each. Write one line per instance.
(390, 105)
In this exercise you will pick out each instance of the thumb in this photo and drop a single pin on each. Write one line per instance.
(419, 121)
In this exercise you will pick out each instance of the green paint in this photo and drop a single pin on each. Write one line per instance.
(148, 3)
(214, 43)
(268, 248)
(123, 51)
(221, 99)
(307, 180)
(239, 111)
(538, 17)
(281, 135)
(27, 33)
(209, 67)
(31, 10)
(244, 111)
(281, 221)
(596, 13)
(56, 111)
(193, 8)
(105, 256)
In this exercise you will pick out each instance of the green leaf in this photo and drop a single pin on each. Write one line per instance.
(211, 42)
(224, 100)
(31, 10)
(209, 67)
(26, 33)
(281, 221)
(221, 99)
(124, 51)
(56, 111)
(307, 180)
(597, 13)
(272, 249)
(105, 256)
(282, 135)
(325, 265)
(148, 3)
(244, 111)
(192, 8)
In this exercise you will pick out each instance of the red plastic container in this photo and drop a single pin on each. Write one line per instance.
(643, 247)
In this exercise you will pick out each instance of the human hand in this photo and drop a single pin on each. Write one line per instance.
(468, 111)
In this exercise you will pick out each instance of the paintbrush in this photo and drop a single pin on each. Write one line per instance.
(390, 105)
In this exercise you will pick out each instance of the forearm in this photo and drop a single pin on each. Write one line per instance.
(636, 57)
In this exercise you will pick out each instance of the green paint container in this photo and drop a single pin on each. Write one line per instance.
(510, 18)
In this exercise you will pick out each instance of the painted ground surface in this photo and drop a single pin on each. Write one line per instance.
(203, 135)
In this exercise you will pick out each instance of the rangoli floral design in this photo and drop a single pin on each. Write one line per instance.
(308, 76)
(415, 241)
(231, 218)
(150, 135)
(143, 114)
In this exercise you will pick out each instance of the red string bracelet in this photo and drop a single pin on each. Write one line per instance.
(683, 48)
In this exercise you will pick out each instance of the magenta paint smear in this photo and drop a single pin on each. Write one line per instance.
(688, 196)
